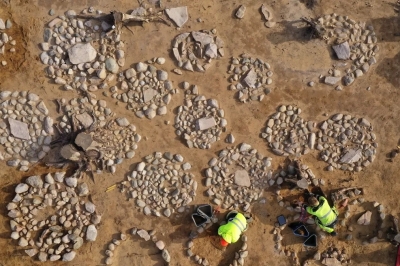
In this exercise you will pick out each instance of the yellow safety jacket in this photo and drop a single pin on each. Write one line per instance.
(324, 213)
(231, 231)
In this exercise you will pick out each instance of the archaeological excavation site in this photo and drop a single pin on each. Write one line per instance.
(212, 132)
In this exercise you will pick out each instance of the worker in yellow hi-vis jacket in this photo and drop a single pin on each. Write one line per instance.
(325, 216)
(232, 230)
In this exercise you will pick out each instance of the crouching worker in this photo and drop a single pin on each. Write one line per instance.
(325, 216)
(231, 231)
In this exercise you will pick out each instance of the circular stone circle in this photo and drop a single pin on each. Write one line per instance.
(66, 32)
(161, 184)
(145, 89)
(361, 39)
(234, 190)
(250, 77)
(199, 121)
(51, 216)
(143, 234)
(346, 142)
(36, 133)
(287, 133)
(195, 50)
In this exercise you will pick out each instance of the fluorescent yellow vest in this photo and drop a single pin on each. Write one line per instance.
(324, 213)
(231, 231)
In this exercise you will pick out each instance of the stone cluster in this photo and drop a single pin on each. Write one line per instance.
(112, 140)
(298, 174)
(161, 184)
(194, 51)
(333, 256)
(350, 40)
(346, 142)
(277, 232)
(145, 89)
(289, 134)
(143, 234)
(250, 77)
(51, 217)
(6, 41)
(82, 52)
(25, 128)
(237, 177)
(199, 121)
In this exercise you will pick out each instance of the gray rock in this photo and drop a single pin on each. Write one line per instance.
(240, 12)
(144, 234)
(81, 53)
(85, 119)
(351, 156)
(42, 256)
(71, 181)
(19, 129)
(348, 80)
(111, 65)
(179, 15)
(122, 121)
(202, 37)
(331, 262)
(141, 67)
(83, 189)
(365, 219)
(149, 94)
(69, 256)
(160, 245)
(8, 24)
(162, 75)
(251, 78)
(205, 123)
(165, 255)
(84, 140)
(342, 50)
(242, 178)
(90, 207)
(34, 181)
(91, 233)
(331, 80)
(266, 12)
(21, 188)
(2, 25)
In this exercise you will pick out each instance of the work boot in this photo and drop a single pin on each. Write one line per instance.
(333, 233)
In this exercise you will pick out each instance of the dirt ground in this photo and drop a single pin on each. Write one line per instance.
(295, 59)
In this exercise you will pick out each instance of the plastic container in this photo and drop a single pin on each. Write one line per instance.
(205, 210)
(311, 241)
(301, 231)
(281, 220)
(198, 219)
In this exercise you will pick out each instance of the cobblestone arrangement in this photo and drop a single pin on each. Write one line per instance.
(200, 121)
(26, 129)
(51, 216)
(250, 77)
(145, 89)
(237, 177)
(161, 184)
(194, 51)
(81, 52)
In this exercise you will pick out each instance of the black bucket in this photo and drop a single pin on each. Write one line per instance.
(301, 231)
(311, 241)
(198, 219)
(205, 210)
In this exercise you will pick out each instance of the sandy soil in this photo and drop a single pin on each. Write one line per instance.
(295, 59)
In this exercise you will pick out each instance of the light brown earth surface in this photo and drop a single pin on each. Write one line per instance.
(295, 59)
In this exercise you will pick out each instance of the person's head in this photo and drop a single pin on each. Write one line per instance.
(313, 201)
(223, 242)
